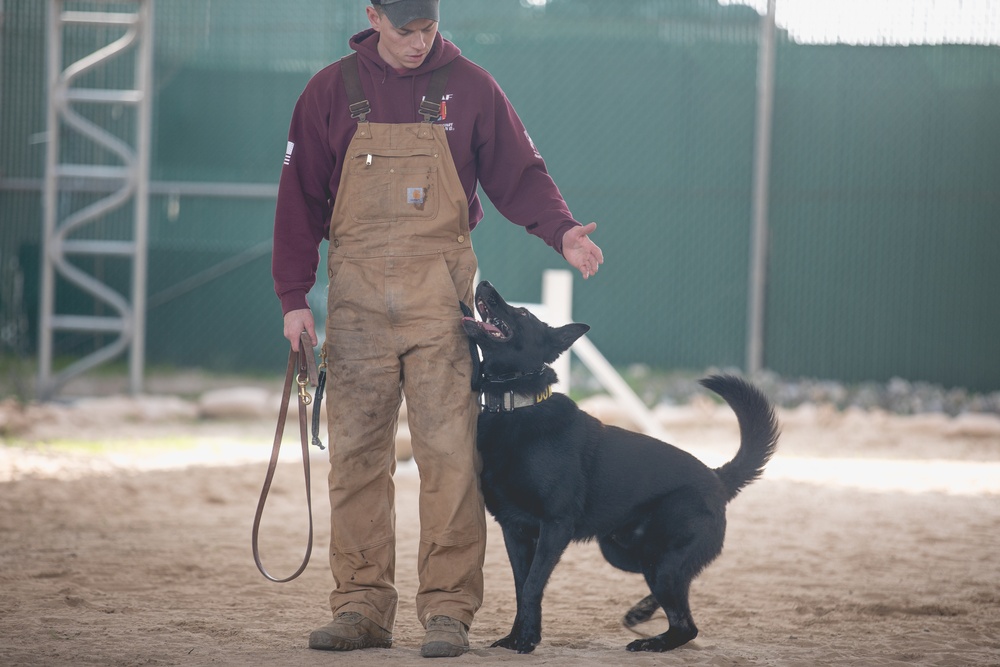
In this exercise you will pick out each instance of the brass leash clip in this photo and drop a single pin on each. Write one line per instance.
(303, 382)
(307, 374)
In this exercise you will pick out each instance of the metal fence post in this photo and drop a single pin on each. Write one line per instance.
(756, 309)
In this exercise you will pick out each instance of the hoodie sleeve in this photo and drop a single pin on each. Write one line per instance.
(304, 200)
(513, 175)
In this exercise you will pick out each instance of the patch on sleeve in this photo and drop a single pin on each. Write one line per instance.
(532, 144)
(288, 153)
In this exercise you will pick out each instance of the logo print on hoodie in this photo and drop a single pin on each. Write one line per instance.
(443, 115)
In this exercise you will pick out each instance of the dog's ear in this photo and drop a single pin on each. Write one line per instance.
(563, 337)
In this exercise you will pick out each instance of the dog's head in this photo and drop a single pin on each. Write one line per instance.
(512, 339)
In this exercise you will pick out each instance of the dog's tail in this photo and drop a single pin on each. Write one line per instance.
(759, 430)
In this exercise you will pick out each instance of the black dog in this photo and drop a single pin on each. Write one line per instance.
(553, 474)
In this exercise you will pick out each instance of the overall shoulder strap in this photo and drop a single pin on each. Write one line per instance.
(430, 107)
(360, 108)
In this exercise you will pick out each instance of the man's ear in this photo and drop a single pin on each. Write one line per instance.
(563, 338)
(374, 18)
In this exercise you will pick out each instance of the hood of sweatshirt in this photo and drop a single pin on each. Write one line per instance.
(366, 44)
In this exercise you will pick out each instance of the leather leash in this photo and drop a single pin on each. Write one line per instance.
(302, 371)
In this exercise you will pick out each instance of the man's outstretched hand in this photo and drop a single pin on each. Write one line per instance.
(582, 253)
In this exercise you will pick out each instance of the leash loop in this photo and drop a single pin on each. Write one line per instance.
(302, 371)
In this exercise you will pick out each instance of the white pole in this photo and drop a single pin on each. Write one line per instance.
(143, 149)
(557, 297)
(756, 308)
(49, 213)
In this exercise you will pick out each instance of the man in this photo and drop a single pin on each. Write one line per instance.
(390, 178)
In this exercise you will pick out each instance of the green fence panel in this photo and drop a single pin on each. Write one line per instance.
(885, 212)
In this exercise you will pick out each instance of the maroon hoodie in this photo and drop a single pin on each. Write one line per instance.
(487, 140)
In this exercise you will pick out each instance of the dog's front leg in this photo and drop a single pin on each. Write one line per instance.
(520, 543)
(553, 538)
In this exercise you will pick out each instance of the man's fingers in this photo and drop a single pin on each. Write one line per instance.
(296, 322)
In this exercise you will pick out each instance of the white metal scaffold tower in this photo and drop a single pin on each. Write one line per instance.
(117, 177)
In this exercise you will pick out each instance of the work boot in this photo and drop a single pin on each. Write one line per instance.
(349, 631)
(445, 638)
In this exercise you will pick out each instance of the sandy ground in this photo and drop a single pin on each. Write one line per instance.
(871, 540)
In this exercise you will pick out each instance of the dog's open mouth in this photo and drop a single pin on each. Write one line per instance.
(491, 325)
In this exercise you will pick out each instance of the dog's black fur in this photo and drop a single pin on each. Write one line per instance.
(553, 474)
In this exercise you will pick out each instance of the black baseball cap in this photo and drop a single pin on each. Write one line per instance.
(401, 12)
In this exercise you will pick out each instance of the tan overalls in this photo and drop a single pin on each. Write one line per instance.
(400, 259)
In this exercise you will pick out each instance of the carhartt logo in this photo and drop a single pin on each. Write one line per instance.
(288, 153)
(416, 196)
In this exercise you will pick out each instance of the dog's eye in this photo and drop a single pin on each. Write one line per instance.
(523, 312)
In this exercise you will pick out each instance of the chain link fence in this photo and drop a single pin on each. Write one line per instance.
(884, 199)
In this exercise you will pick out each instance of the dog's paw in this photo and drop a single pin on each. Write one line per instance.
(667, 641)
(506, 643)
(526, 647)
(651, 644)
(518, 644)
(526, 641)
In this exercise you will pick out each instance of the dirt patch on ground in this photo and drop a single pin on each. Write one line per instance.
(871, 540)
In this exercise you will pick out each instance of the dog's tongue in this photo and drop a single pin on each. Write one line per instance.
(486, 326)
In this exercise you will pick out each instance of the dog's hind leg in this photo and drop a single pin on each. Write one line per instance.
(617, 552)
(641, 612)
(672, 595)
(684, 539)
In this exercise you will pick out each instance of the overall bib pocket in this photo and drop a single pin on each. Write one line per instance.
(383, 191)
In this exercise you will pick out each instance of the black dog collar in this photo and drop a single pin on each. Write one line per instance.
(508, 401)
